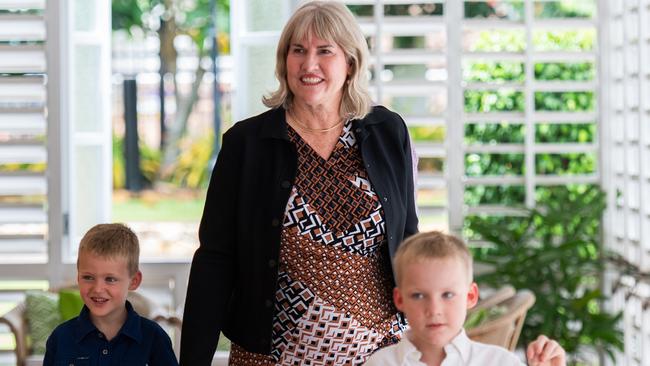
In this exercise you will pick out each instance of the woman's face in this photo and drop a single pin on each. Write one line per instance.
(316, 72)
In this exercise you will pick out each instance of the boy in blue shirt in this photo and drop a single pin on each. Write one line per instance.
(108, 331)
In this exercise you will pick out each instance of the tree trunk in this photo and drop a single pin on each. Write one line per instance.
(177, 130)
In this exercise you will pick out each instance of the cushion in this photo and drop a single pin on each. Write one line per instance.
(42, 313)
(70, 303)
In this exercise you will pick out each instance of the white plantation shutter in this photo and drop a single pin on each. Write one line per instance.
(23, 219)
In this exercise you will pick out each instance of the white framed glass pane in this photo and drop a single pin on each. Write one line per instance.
(259, 63)
(85, 15)
(264, 15)
(87, 209)
(87, 96)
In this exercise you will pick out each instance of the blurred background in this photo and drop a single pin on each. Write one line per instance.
(531, 120)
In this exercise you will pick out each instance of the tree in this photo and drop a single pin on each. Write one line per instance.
(169, 19)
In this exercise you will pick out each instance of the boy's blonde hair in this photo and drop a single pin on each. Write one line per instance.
(112, 241)
(431, 245)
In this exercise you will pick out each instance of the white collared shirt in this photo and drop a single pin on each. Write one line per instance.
(461, 351)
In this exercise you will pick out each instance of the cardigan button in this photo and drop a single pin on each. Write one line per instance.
(286, 184)
(358, 130)
(272, 263)
(385, 199)
(275, 222)
(104, 351)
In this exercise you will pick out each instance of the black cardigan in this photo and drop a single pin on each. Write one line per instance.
(234, 271)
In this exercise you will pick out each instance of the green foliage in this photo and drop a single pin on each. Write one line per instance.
(580, 71)
(494, 133)
(149, 163)
(494, 164)
(499, 41)
(565, 163)
(192, 18)
(189, 171)
(565, 133)
(495, 195)
(191, 168)
(565, 9)
(493, 71)
(502, 100)
(427, 133)
(571, 40)
(554, 251)
(565, 101)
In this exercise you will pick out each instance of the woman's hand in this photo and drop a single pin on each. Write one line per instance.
(545, 352)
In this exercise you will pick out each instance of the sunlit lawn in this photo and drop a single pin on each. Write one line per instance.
(152, 206)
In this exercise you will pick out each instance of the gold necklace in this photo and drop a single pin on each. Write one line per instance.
(315, 130)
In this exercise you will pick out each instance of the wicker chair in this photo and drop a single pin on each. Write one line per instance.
(16, 320)
(503, 330)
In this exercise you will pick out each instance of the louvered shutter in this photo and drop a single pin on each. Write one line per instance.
(23, 157)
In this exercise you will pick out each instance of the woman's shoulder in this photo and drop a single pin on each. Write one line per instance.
(380, 113)
(253, 125)
(385, 120)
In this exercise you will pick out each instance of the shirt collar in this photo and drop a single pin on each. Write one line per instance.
(406, 350)
(461, 345)
(131, 327)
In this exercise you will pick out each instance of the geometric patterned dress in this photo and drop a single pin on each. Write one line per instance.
(333, 304)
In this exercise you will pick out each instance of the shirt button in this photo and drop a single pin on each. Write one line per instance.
(100, 335)
(286, 184)
(358, 130)
(275, 222)
(272, 263)
(268, 303)
(104, 351)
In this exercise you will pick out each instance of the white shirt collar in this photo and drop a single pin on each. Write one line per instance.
(460, 345)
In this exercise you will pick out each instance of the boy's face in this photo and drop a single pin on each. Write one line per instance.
(104, 284)
(435, 294)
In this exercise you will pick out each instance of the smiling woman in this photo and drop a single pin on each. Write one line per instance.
(306, 204)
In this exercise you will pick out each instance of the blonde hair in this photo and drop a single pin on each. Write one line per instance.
(331, 21)
(112, 241)
(431, 245)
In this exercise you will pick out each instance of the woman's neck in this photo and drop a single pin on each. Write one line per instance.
(315, 117)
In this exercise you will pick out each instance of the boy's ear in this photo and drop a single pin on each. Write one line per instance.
(472, 295)
(136, 280)
(398, 299)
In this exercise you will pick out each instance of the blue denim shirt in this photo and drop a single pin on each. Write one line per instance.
(139, 342)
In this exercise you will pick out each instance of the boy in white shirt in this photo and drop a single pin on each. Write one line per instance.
(434, 290)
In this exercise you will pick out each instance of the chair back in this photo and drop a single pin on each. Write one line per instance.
(504, 330)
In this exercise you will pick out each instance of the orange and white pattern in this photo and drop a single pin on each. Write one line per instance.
(334, 297)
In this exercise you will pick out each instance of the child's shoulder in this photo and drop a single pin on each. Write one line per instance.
(66, 327)
(385, 356)
(151, 328)
(500, 355)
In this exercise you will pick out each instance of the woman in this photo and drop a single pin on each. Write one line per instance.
(306, 205)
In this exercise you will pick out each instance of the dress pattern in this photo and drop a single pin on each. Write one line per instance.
(333, 302)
